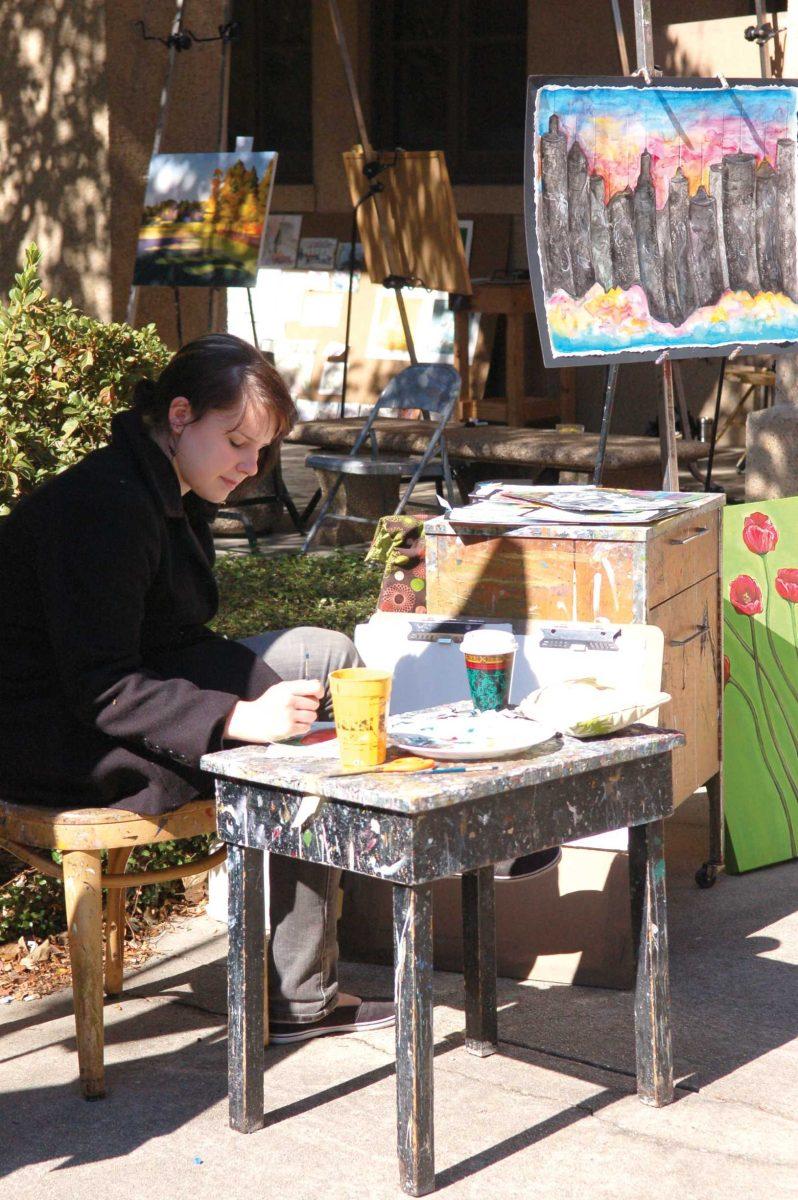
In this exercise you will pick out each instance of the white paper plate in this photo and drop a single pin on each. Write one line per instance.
(455, 733)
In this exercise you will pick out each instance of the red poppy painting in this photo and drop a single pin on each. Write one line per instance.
(760, 677)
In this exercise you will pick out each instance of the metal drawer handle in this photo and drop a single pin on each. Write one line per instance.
(702, 629)
(697, 533)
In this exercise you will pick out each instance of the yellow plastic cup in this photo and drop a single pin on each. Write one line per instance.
(360, 701)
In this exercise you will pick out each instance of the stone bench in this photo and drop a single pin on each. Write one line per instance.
(493, 451)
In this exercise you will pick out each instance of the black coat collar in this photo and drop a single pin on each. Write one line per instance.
(129, 432)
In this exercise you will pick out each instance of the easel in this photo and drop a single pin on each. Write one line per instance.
(174, 43)
(371, 169)
(761, 33)
(399, 248)
(644, 47)
(181, 39)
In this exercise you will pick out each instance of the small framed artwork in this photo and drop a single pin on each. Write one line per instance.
(317, 254)
(281, 240)
(344, 254)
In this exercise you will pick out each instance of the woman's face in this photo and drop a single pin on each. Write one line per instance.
(217, 452)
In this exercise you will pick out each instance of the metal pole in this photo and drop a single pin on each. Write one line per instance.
(163, 108)
(716, 418)
(644, 47)
(623, 53)
(609, 401)
(352, 244)
(368, 153)
(221, 137)
(644, 36)
(760, 8)
(252, 320)
(178, 316)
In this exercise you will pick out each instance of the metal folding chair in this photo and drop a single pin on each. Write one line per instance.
(433, 388)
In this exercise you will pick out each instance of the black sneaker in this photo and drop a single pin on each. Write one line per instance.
(528, 864)
(347, 1018)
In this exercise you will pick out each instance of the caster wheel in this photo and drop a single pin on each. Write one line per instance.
(706, 875)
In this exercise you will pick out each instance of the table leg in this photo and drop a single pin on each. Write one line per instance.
(479, 961)
(412, 924)
(245, 992)
(652, 993)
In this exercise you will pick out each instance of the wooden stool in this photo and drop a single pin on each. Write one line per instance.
(81, 835)
(757, 383)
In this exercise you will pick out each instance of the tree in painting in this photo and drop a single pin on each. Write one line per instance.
(203, 219)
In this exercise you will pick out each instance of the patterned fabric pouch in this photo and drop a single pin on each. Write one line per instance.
(399, 543)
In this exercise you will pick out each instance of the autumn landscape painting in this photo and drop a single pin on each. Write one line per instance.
(204, 219)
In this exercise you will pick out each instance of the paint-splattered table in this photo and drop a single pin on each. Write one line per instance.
(412, 830)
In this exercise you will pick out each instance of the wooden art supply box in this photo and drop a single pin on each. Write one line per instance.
(665, 574)
(571, 924)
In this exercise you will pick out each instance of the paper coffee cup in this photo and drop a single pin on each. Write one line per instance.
(489, 660)
(360, 700)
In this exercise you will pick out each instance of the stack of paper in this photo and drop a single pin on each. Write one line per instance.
(497, 503)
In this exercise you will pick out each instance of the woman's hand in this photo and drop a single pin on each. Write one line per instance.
(285, 710)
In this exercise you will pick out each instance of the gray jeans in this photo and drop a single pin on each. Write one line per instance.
(303, 905)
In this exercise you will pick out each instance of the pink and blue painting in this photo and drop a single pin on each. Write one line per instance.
(661, 217)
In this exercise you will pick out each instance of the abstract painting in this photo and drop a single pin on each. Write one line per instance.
(760, 675)
(661, 218)
(204, 218)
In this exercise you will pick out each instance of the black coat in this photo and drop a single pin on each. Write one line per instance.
(111, 685)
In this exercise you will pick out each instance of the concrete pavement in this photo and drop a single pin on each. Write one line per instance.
(552, 1115)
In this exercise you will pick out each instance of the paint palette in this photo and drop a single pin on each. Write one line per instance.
(457, 733)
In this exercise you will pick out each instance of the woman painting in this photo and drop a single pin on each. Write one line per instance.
(112, 687)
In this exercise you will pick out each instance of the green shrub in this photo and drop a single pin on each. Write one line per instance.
(32, 904)
(62, 375)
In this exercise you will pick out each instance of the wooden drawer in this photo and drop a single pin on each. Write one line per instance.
(685, 551)
(689, 622)
(524, 579)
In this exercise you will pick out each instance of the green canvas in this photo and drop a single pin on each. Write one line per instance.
(760, 721)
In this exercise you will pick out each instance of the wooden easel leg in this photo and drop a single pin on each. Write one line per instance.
(667, 430)
(83, 897)
(515, 368)
(479, 961)
(567, 389)
(466, 408)
(412, 927)
(245, 990)
(115, 923)
(652, 992)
